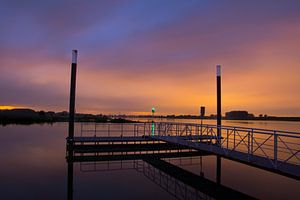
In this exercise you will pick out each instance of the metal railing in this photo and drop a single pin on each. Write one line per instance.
(109, 129)
(279, 147)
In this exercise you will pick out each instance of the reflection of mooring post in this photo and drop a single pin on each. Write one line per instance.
(201, 170)
(219, 114)
(219, 168)
(72, 98)
(70, 181)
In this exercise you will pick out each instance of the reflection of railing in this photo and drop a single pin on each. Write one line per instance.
(176, 188)
(118, 165)
(277, 147)
(107, 165)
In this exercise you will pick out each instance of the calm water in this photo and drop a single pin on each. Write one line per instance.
(33, 166)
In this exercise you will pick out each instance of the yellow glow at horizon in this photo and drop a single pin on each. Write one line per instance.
(7, 107)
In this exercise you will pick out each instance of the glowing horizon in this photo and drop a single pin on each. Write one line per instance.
(139, 54)
(2, 107)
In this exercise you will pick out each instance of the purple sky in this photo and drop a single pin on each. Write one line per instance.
(137, 54)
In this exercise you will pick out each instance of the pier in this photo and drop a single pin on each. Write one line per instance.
(273, 150)
(276, 151)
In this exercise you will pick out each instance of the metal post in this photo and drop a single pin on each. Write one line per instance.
(72, 94)
(252, 141)
(219, 112)
(227, 138)
(234, 138)
(275, 149)
(249, 143)
(71, 123)
(202, 113)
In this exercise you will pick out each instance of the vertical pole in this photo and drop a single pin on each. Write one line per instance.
(252, 141)
(275, 149)
(153, 123)
(71, 124)
(227, 138)
(233, 139)
(202, 113)
(72, 94)
(249, 143)
(201, 126)
(219, 112)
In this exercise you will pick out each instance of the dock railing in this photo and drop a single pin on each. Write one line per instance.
(279, 147)
(109, 130)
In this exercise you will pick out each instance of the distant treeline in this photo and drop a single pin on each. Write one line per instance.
(29, 116)
(232, 115)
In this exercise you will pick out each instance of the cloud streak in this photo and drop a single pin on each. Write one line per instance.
(135, 54)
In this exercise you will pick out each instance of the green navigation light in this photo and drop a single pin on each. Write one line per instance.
(153, 110)
(153, 124)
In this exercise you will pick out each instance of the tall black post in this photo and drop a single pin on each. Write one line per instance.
(219, 112)
(71, 125)
(72, 94)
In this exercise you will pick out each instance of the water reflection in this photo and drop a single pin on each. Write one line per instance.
(172, 178)
(33, 160)
(70, 180)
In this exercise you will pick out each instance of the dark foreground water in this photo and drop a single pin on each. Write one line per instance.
(33, 166)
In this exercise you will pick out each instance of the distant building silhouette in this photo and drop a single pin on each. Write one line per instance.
(239, 115)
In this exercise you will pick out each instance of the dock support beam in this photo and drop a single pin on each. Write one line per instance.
(219, 112)
(72, 94)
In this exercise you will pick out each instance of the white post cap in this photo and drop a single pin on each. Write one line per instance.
(218, 70)
(74, 56)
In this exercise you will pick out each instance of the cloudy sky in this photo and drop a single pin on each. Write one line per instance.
(137, 54)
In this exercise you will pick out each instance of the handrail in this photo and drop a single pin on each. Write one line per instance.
(276, 146)
(232, 127)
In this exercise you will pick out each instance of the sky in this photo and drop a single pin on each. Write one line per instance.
(136, 54)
